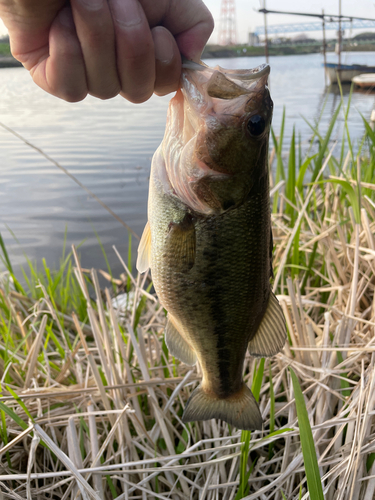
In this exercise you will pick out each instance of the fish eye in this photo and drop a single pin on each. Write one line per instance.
(256, 125)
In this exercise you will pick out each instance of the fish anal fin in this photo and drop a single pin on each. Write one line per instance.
(181, 243)
(144, 250)
(178, 346)
(239, 409)
(270, 337)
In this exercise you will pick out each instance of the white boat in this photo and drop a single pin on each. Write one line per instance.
(365, 80)
(346, 72)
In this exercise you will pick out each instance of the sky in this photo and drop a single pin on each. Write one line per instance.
(248, 18)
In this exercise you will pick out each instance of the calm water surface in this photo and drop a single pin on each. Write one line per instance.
(108, 146)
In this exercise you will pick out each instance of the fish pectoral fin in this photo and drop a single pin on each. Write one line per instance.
(240, 409)
(178, 346)
(144, 250)
(181, 244)
(271, 334)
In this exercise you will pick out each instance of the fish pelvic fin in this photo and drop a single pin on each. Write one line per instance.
(240, 409)
(144, 250)
(271, 334)
(178, 346)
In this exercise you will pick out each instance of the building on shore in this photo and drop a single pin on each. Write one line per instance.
(253, 40)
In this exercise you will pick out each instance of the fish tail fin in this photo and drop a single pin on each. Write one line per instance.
(239, 409)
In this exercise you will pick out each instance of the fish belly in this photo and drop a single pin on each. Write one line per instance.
(218, 300)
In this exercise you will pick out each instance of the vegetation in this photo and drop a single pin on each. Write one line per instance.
(4, 49)
(286, 48)
(250, 51)
(91, 400)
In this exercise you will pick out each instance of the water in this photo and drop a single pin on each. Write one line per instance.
(108, 146)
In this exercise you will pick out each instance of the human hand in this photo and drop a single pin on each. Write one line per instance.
(106, 47)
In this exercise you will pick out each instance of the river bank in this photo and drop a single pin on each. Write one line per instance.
(9, 62)
(220, 51)
(214, 51)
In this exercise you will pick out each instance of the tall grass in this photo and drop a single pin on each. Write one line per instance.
(91, 400)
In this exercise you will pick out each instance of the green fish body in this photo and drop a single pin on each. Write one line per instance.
(208, 240)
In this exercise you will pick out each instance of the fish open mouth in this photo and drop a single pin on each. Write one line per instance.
(222, 83)
(206, 134)
(240, 74)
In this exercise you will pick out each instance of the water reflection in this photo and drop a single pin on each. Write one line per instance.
(108, 146)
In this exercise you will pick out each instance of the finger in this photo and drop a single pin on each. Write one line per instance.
(28, 24)
(95, 31)
(167, 61)
(62, 73)
(135, 50)
(189, 21)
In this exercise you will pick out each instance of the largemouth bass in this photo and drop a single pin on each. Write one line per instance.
(208, 240)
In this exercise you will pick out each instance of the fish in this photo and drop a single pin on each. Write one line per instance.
(208, 239)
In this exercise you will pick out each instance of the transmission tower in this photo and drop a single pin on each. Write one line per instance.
(227, 26)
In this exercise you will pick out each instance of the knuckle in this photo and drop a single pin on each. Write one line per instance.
(210, 23)
(105, 93)
(137, 97)
(73, 97)
(70, 94)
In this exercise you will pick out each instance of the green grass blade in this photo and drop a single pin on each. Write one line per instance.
(354, 197)
(307, 442)
(290, 189)
(280, 174)
(6, 256)
(302, 171)
(13, 415)
(257, 379)
(324, 144)
(20, 402)
(272, 413)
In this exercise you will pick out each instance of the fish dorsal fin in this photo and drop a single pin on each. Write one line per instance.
(177, 345)
(220, 86)
(144, 250)
(271, 334)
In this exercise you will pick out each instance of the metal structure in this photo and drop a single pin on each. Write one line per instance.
(331, 22)
(303, 27)
(227, 26)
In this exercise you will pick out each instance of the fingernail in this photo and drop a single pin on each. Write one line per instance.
(66, 18)
(163, 45)
(126, 13)
(92, 5)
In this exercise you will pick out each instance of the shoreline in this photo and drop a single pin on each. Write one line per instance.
(9, 62)
(217, 51)
(214, 52)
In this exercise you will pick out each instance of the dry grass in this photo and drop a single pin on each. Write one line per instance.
(92, 408)
(91, 401)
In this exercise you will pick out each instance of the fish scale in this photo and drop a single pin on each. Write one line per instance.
(208, 239)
